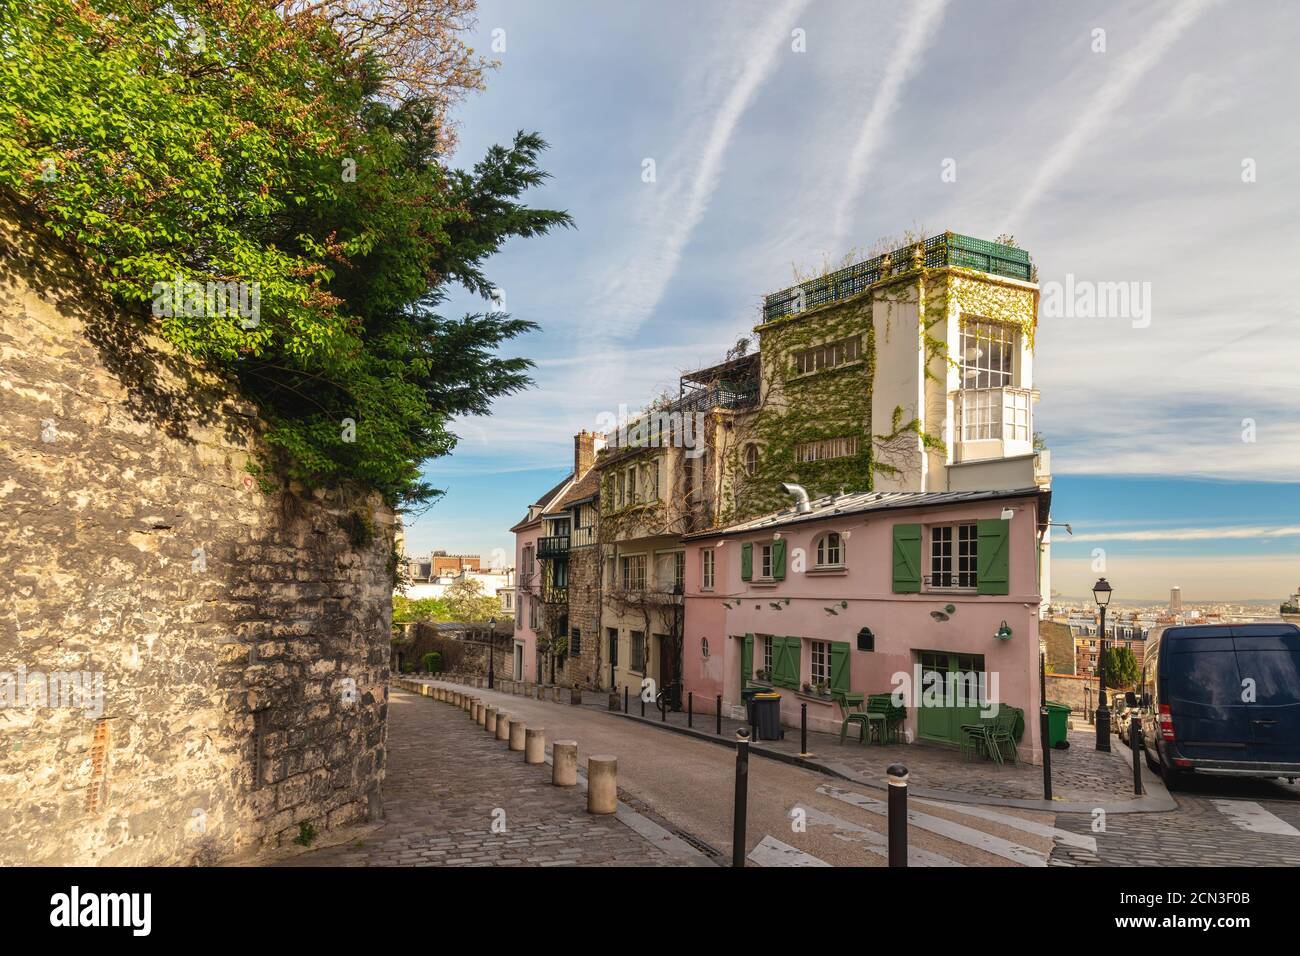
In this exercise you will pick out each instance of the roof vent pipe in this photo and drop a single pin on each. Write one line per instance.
(801, 505)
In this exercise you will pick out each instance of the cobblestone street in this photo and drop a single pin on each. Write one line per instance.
(445, 779)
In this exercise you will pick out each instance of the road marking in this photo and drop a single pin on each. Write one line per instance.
(1029, 826)
(1025, 856)
(875, 842)
(1249, 815)
(772, 852)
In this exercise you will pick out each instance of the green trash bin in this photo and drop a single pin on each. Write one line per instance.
(1058, 726)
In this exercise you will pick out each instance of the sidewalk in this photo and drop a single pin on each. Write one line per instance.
(1082, 778)
(448, 782)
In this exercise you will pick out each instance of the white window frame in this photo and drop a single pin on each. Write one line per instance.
(953, 557)
(632, 652)
(765, 562)
(824, 554)
(767, 655)
(843, 446)
(632, 572)
(706, 569)
(987, 357)
(819, 663)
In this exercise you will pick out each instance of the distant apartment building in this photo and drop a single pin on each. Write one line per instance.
(1175, 600)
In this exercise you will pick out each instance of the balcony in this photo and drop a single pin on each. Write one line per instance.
(553, 546)
(555, 594)
(937, 252)
(992, 423)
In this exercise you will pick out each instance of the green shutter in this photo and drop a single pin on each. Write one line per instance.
(840, 667)
(785, 661)
(778, 560)
(992, 565)
(746, 661)
(907, 558)
(746, 562)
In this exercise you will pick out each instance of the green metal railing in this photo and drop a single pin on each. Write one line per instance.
(949, 249)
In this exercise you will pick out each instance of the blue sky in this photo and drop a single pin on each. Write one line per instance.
(1117, 166)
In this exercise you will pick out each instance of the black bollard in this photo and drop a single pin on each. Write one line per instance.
(719, 713)
(643, 704)
(1135, 742)
(803, 731)
(897, 777)
(690, 708)
(1047, 752)
(625, 698)
(663, 707)
(742, 797)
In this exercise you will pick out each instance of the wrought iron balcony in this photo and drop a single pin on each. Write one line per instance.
(555, 594)
(949, 249)
(553, 546)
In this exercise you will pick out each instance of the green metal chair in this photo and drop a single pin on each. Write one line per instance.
(854, 713)
(886, 717)
(1002, 731)
(974, 739)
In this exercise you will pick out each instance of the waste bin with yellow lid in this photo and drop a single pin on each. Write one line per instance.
(767, 716)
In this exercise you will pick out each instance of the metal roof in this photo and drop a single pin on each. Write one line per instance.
(860, 502)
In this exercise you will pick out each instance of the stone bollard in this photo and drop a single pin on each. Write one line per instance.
(535, 745)
(602, 784)
(503, 726)
(490, 720)
(575, 695)
(478, 713)
(517, 734)
(564, 763)
(555, 695)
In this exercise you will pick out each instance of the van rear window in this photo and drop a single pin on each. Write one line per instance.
(1207, 677)
(1276, 675)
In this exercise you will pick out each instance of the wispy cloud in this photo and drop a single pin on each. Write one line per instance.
(1238, 532)
(633, 291)
(918, 31)
(1117, 88)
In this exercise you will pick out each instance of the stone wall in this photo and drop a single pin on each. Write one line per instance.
(1072, 691)
(589, 667)
(233, 644)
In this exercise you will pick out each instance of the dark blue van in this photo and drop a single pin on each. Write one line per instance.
(1223, 699)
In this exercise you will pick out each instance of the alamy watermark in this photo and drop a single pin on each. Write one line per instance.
(659, 428)
(1083, 299)
(68, 690)
(183, 297)
(933, 688)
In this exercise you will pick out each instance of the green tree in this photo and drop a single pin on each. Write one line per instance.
(1121, 667)
(468, 603)
(228, 141)
(406, 610)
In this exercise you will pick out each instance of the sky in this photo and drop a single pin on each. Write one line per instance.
(1151, 144)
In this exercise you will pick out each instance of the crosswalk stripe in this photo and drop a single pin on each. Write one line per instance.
(1017, 853)
(772, 852)
(876, 842)
(1019, 823)
(1249, 815)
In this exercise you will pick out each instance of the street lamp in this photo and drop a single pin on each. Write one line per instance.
(492, 652)
(1101, 592)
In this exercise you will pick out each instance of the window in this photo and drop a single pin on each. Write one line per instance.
(987, 354)
(638, 651)
(830, 550)
(620, 490)
(767, 655)
(952, 556)
(612, 633)
(652, 481)
(820, 661)
(679, 570)
(828, 356)
(634, 572)
(765, 561)
(532, 612)
(844, 447)
(519, 615)
(751, 460)
(994, 413)
(706, 571)
(559, 574)
(575, 642)
(528, 560)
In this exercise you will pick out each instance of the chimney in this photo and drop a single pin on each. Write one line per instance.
(584, 453)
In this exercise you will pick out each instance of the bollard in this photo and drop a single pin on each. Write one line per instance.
(690, 708)
(1135, 743)
(625, 698)
(663, 707)
(642, 705)
(803, 731)
(897, 812)
(535, 745)
(739, 807)
(490, 720)
(503, 726)
(470, 707)
(478, 712)
(517, 735)
(719, 713)
(602, 784)
(564, 763)
(1043, 735)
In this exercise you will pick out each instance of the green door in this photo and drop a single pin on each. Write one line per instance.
(746, 661)
(951, 687)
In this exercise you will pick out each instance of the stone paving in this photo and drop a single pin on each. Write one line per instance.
(445, 779)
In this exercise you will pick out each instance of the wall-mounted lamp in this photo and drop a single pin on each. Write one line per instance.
(1008, 514)
(1004, 632)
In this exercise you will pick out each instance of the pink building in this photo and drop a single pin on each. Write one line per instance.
(935, 593)
(528, 593)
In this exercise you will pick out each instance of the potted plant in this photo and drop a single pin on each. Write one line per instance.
(760, 674)
(807, 687)
(821, 689)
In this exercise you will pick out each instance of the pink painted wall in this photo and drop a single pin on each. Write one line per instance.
(901, 622)
(527, 586)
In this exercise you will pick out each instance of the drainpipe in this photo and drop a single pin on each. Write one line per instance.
(801, 505)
